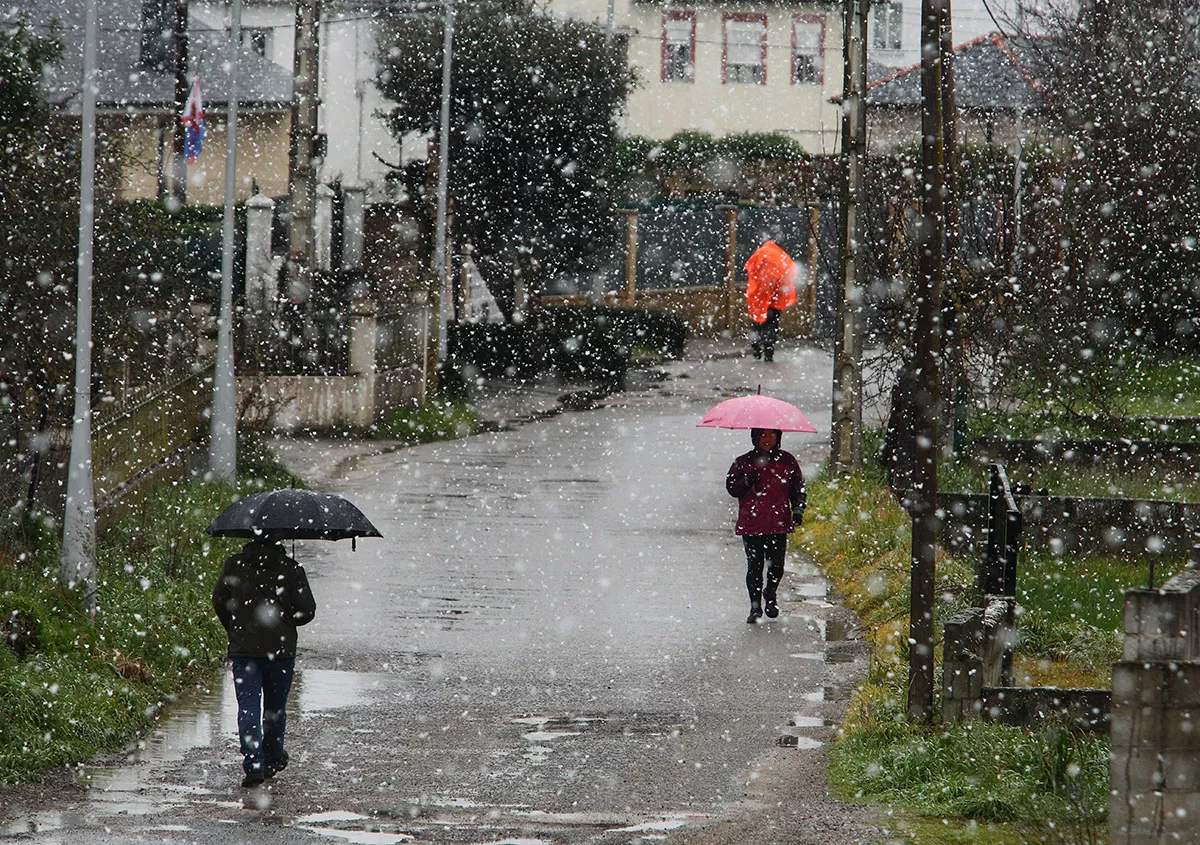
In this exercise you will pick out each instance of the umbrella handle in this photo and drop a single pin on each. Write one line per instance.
(353, 544)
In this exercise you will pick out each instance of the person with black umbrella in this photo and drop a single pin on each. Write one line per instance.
(261, 598)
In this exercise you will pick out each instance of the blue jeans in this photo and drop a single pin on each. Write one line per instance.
(262, 688)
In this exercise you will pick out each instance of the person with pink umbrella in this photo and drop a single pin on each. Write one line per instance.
(769, 487)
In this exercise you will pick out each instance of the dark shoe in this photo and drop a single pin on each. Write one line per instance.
(252, 779)
(772, 608)
(755, 614)
(275, 768)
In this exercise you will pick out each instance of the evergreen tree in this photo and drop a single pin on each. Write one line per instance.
(534, 109)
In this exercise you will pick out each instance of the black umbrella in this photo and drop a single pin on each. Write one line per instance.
(292, 515)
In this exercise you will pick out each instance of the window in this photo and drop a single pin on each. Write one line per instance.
(257, 41)
(808, 50)
(157, 29)
(885, 20)
(745, 56)
(679, 47)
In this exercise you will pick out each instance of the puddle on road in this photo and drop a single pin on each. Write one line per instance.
(812, 589)
(808, 722)
(205, 718)
(803, 743)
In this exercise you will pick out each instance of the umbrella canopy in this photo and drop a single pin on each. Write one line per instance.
(292, 515)
(757, 411)
(770, 280)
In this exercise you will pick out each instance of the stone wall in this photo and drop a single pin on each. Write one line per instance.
(976, 653)
(1155, 752)
(1072, 525)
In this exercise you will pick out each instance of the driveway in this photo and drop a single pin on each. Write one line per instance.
(548, 646)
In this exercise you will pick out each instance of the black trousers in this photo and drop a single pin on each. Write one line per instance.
(764, 335)
(760, 549)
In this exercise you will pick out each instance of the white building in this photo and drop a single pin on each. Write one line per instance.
(894, 29)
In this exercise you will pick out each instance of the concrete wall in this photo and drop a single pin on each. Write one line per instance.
(1155, 747)
(976, 653)
(1132, 527)
(262, 155)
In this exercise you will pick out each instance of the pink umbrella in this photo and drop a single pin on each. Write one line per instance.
(757, 411)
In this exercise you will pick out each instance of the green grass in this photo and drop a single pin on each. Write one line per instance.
(971, 782)
(91, 684)
(1028, 779)
(436, 419)
(1161, 388)
(1070, 608)
(1141, 385)
(1065, 479)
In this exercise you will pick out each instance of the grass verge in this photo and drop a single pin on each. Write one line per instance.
(979, 783)
(81, 685)
(439, 418)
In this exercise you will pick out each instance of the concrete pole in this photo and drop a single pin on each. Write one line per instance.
(302, 176)
(631, 250)
(222, 443)
(353, 221)
(177, 194)
(730, 285)
(847, 342)
(78, 564)
(441, 302)
(928, 291)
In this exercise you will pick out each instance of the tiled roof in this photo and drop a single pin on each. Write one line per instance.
(123, 82)
(991, 73)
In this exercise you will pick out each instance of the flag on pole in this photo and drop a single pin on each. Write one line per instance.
(193, 121)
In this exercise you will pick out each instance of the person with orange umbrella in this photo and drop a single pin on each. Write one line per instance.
(770, 288)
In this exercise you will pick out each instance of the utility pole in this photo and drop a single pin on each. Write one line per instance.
(222, 445)
(177, 191)
(302, 181)
(847, 341)
(442, 293)
(78, 564)
(928, 291)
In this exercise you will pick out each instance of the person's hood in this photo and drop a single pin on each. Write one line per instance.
(755, 432)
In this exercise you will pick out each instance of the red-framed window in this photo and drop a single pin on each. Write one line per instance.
(744, 48)
(808, 50)
(679, 46)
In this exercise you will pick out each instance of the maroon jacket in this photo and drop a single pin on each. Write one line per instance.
(768, 487)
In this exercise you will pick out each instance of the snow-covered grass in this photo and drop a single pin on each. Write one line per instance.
(971, 782)
(87, 685)
(437, 419)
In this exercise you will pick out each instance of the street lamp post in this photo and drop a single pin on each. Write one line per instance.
(222, 448)
(442, 292)
(78, 565)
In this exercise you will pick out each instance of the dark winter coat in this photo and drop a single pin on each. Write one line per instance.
(261, 598)
(769, 486)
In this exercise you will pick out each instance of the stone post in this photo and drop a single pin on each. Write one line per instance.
(631, 250)
(362, 330)
(323, 228)
(730, 280)
(262, 288)
(962, 665)
(1154, 762)
(354, 203)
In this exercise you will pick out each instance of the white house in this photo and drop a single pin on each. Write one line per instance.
(894, 29)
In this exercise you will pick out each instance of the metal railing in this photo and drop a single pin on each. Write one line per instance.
(998, 570)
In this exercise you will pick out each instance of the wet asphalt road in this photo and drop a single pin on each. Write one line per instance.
(549, 646)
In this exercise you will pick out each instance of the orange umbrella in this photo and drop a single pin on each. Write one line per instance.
(770, 281)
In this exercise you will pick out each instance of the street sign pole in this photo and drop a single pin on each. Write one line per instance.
(222, 447)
